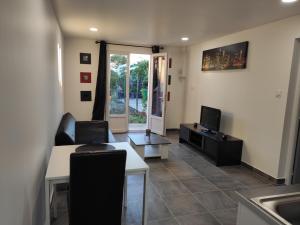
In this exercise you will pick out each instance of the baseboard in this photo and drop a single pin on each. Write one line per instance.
(276, 181)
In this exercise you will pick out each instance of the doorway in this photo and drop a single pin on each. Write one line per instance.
(138, 92)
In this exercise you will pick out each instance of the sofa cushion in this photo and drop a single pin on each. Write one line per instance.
(66, 131)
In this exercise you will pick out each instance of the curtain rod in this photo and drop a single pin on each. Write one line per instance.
(138, 46)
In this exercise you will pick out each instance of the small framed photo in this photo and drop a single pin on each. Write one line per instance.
(85, 58)
(85, 77)
(85, 96)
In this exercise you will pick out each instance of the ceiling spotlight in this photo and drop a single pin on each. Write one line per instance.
(93, 29)
(289, 1)
(185, 39)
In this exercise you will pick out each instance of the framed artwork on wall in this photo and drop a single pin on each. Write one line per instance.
(85, 58)
(85, 77)
(85, 96)
(229, 57)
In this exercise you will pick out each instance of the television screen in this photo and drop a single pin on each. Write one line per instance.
(210, 118)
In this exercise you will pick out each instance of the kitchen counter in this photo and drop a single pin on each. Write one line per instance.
(245, 197)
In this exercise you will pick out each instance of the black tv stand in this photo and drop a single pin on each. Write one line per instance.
(222, 149)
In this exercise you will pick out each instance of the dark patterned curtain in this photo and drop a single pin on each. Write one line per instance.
(100, 94)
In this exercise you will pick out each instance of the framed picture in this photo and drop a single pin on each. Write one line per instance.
(85, 58)
(85, 77)
(85, 96)
(226, 58)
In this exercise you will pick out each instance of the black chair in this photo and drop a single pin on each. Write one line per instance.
(91, 132)
(96, 187)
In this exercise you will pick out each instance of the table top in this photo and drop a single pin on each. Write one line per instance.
(142, 139)
(59, 163)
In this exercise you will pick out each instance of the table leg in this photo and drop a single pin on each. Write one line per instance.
(125, 192)
(47, 202)
(145, 198)
(139, 149)
(164, 151)
(55, 201)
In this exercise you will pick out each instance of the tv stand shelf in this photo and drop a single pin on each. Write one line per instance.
(223, 151)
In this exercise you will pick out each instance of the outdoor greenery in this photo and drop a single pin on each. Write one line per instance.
(137, 118)
(118, 65)
(138, 87)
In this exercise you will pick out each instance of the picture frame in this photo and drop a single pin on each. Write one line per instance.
(85, 58)
(85, 96)
(228, 57)
(85, 77)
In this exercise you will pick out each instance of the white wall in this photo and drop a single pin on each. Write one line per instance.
(72, 69)
(30, 106)
(174, 107)
(247, 97)
(72, 85)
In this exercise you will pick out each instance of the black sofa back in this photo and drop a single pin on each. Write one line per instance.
(72, 132)
(65, 134)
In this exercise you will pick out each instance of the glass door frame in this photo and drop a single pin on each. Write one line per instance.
(116, 118)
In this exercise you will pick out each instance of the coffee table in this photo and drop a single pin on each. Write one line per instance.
(149, 146)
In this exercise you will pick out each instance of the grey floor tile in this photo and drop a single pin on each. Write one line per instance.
(233, 195)
(208, 171)
(161, 174)
(136, 192)
(183, 171)
(171, 221)
(226, 217)
(215, 200)
(225, 182)
(157, 210)
(198, 184)
(172, 187)
(183, 205)
(198, 219)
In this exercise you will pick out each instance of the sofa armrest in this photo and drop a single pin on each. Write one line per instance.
(91, 132)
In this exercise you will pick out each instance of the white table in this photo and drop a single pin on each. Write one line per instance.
(58, 172)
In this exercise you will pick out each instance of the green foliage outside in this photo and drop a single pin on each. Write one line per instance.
(139, 88)
(118, 65)
(137, 118)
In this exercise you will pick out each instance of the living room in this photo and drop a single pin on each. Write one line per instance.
(44, 45)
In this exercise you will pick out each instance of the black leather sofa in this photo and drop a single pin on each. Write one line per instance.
(72, 132)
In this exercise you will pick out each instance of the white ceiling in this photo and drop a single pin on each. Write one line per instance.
(164, 22)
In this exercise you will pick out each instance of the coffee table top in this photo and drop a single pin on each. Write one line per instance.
(141, 139)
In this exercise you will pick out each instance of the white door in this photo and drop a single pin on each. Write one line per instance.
(117, 89)
(157, 93)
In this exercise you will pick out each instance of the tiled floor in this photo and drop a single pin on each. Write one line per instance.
(186, 189)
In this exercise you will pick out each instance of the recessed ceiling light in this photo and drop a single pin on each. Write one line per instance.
(185, 39)
(93, 29)
(289, 1)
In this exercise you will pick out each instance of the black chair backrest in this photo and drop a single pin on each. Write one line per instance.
(96, 187)
(91, 132)
(65, 134)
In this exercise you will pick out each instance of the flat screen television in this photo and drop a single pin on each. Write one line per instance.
(210, 118)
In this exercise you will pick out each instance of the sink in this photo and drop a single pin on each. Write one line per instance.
(284, 207)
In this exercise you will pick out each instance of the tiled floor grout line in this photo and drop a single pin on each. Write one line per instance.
(173, 216)
(208, 211)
